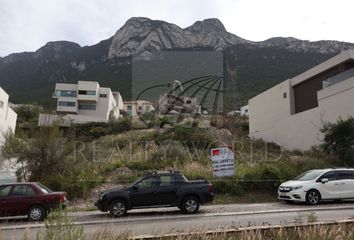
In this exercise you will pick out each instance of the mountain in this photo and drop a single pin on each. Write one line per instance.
(143, 36)
(297, 45)
(31, 76)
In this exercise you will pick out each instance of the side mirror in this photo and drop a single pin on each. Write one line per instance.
(324, 180)
(134, 188)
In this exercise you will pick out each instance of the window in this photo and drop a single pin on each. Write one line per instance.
(147, 108)
(23, 190)
(85, 92)
(1, 104)
(188, 101)
(166, 180)
(66, 104)
(102, 95)
(331, 176)
(285, 95)
(87, 107)
(129, 107)
(140, 108)
(4, 191)
(149, 182)
(43, 188)
(65, 93)
(346, 175)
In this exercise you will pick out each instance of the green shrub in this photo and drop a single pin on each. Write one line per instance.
(339, 140)
(58, 226)
(94, 130)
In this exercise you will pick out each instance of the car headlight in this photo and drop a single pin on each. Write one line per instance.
(297, 187)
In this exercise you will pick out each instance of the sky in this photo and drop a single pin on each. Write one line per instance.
(26, 25)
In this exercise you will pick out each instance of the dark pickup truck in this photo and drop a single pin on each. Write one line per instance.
(157, 189)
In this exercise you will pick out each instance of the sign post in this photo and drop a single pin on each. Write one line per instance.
(223, 161)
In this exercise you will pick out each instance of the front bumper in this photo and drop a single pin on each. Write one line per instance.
(296, 195)
(100, 206)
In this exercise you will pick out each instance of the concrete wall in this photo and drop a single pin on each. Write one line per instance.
(271, 117)
(8, 117)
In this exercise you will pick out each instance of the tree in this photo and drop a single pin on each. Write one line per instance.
(339, 140)
(43, 153)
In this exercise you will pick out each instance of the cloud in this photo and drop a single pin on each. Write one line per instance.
(26, 25)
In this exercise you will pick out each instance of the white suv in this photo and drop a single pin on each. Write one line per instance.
(316, 185)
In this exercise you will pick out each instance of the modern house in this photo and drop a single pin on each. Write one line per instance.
(293, 112)
(8, 117)
(86, 101)
(172, 104)
(135, 108)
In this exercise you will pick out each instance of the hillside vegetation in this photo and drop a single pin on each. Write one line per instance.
(82, 157)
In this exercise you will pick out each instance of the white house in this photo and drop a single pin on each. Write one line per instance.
(133, 108)
(293, 112)
(86, 101)
(8, 117)
(8, 120)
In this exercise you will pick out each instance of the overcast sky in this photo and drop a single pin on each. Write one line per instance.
(26, 25)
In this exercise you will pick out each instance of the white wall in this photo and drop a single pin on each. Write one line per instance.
(146, 107)
(8, 117)
(270, 117)
(8, 120)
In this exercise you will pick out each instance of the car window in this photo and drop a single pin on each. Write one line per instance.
(166, 180)
(43, 188)
(4, 190)
(345, 174)
(22, 190)
(331, 176)
(149, 182)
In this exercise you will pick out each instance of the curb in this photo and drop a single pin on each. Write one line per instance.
(167, 218)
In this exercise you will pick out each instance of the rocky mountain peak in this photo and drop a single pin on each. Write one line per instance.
(57, 49)
(209, 25)
(143, 36)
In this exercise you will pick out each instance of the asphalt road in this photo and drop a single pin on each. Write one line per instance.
(159, 221)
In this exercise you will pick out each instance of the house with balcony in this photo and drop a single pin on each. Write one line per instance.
(292, 113)
(137, 107)
(87, 101)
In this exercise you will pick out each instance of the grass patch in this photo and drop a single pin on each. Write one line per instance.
(248, 197)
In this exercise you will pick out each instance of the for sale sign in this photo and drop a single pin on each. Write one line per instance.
(223, 161)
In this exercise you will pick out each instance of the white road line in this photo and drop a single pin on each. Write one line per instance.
(164, 218)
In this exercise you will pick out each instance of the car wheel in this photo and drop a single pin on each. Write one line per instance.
(118, 208)
(36, 213)
(313, 197)
(190, 205)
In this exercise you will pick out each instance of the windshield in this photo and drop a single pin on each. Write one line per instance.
(136, 182)
(43, 188)
(310, 175)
